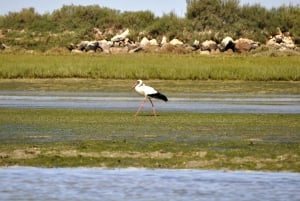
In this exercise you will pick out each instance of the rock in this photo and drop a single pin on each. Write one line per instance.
(278, 38)
(110, 43)
(176, 42)
(163, 41)
(288, 42)
(204, 52)
(272, 43)
(85, 46)
(76, 51)
(104, 45)
(226, 44)
(153, 42)
(128, 42)
(282, 42)
(196, 44)
(190, 48)
(120, 37)
(90, 51)
(208, 45)
(245, 45)
(82, 45)
(71, 46)
(144, 42)
(92, 46)
(137, 49)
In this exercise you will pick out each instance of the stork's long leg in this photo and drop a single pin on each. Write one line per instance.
(141, 106)
(153, 108)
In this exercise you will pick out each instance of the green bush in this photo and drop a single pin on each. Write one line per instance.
(205, 19)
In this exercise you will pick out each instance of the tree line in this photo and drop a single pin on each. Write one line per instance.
(204, 20)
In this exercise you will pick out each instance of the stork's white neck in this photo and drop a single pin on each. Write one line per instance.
(140, 83)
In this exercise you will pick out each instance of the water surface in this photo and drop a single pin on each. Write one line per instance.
(25, 183)
(202, 103)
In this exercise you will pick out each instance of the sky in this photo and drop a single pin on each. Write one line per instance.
(158, 7)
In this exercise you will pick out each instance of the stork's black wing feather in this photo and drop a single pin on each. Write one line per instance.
(159, 96)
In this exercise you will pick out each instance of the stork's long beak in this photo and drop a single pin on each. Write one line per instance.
(134, 85)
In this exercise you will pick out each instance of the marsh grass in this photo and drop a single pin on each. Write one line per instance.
(150, 66)
(67, 138)
(72, 138)
(171, 87)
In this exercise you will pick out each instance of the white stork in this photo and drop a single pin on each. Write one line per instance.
(149, 93)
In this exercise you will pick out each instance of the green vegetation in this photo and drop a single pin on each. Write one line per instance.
(64, 138)
(251, 21)
(204, 20)
(150, 66)
(173, 87)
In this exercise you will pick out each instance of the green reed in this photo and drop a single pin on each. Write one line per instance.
(150, 66)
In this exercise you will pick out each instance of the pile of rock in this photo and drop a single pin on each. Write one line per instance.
(245, 45)
(281, 41)
(227, 44)
(105, 46)
(121, 44)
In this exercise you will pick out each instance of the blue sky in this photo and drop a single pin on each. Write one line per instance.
(158, 7)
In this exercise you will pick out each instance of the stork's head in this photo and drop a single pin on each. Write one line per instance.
(138, 83)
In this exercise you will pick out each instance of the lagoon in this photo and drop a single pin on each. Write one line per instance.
(199, 103)
(31, 183)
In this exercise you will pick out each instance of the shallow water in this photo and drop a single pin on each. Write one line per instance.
(25, 183)
(202, 103)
